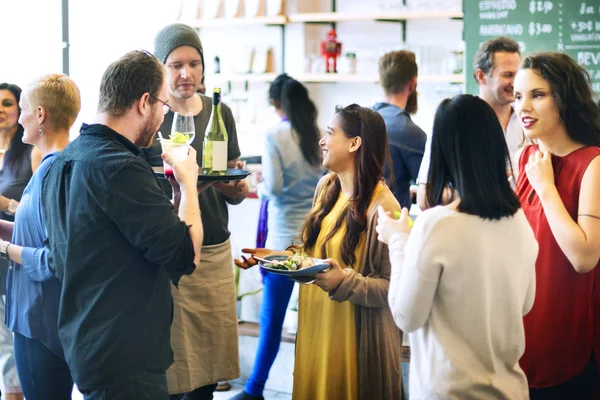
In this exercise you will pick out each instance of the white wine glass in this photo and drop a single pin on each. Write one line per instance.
(183, 129)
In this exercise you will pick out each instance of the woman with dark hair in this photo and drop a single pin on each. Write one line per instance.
(16, 162)
(348, 346)
(559, 188)
(16, 167)
(465, 276)
(291, 168)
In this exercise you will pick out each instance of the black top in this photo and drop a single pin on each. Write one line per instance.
(407, 145)
(13, 181)
(114, 243)
(212, 202)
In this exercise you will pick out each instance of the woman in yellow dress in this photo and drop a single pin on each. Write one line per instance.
(348, 346)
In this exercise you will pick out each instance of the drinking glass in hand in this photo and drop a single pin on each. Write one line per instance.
(183, 130)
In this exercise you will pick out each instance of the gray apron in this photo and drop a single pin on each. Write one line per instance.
(204, 333)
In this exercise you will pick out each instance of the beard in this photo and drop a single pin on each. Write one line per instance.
(507, 97)
(411, 103)
(146, 135)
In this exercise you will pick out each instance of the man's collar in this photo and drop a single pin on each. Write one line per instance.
(103, 130)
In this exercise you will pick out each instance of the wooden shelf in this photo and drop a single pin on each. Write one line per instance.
(328, 78)
(206, 23)
(336, 78)
(372, 78)
(395, 16)
(251, 329)
(323, 17)
(268, 77)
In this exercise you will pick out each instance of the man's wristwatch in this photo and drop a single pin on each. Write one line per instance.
(4, 249)
(12, 207)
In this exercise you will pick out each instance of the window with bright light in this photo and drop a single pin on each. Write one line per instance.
(31, 45)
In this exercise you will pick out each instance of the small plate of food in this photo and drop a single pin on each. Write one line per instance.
(300, 264)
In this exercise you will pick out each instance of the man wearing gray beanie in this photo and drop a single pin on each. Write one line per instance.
(204, 335)
(173, 36)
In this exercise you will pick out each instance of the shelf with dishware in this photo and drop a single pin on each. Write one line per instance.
(372, 78)
(236, 13)
(239, 21)
(322, 17)
(329, 78)
(331, 17)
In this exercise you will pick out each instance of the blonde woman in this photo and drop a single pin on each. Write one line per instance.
(48, 110)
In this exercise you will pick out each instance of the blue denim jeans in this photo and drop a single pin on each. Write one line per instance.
(43, 374)
(146, 385)
(405, 376)
(276, 296)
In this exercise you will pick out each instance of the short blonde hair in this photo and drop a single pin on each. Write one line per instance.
(59, 95)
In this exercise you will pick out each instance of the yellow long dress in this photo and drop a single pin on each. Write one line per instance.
(326, 366)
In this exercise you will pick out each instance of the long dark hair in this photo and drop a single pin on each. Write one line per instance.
(469, 155)
(572, 92)
(301, 112)
(17, 148)
(369, 161)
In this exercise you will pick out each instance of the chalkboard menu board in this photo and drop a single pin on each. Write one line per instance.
(570, 26)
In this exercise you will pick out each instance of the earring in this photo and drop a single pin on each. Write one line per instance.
(40, 131)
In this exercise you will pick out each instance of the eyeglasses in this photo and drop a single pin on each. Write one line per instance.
(166, 107)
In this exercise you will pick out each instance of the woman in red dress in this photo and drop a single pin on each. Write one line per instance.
(559, 189)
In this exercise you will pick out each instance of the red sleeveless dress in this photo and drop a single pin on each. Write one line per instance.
(559, 330)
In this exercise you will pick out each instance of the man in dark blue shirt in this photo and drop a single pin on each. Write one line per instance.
(115, 242)
(398, 78)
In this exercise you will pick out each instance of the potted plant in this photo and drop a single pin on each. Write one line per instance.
(239, 296)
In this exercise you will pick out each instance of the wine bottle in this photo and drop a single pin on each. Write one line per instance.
(214, 155)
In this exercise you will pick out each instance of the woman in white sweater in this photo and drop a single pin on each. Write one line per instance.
(465, 276)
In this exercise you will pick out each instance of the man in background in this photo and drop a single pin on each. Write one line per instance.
(115, 243)
(495, 66)
(398, 77)
(204, 334)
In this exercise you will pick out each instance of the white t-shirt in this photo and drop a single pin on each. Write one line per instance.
(514, 140)
(460, 286)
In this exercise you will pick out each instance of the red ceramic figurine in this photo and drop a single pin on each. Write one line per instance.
(331, 50)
